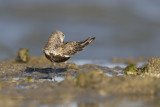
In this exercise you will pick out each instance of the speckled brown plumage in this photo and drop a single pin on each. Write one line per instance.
(57, 51)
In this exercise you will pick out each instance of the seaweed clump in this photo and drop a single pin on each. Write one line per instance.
(132, 69)
(23, 55)
(152, 68)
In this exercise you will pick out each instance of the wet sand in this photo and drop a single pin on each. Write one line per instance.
(35, 83)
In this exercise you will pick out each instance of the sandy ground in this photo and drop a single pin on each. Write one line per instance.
(35, 83)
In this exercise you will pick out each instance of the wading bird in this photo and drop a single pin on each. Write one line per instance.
(57, 51)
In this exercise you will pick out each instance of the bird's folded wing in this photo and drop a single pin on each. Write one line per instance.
(70, 48)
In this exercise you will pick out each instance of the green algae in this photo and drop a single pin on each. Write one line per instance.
(133, 70)
(130, 69)
(152, 68)
(23, 55)
(142, 70)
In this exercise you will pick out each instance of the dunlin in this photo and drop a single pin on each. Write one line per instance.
(57, 51)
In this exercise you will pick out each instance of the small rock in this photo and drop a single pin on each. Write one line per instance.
(23, 55)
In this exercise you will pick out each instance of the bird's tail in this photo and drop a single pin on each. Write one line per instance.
(87, 41)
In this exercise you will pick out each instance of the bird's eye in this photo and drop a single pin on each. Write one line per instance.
(63, 34)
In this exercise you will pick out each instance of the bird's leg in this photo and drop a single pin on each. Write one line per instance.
(55, 67)
(66, 66)
(55, 70)
(50, 71)
(51, 67)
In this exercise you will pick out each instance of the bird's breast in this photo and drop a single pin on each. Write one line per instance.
(56, 58)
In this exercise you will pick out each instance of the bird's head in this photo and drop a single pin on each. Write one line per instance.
(56, 37)
(59, 35)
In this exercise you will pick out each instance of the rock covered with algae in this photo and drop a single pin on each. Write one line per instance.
(132, 69)
(153, 68)
(23, 55)
(89, 79)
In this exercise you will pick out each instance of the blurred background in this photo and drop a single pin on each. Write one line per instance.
(123, 28)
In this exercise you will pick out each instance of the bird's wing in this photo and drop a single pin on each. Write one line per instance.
(70, 48)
